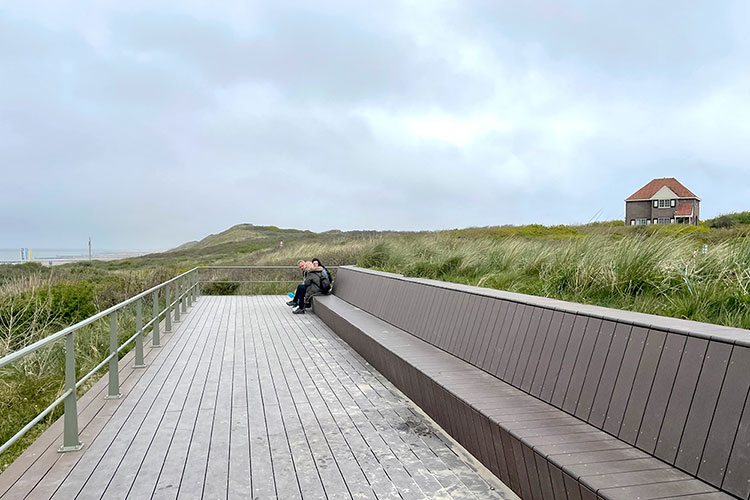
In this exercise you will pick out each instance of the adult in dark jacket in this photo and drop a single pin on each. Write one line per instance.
(313, 286)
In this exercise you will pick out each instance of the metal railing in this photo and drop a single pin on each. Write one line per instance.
(179, 292)
(185, 289)
(251, 276)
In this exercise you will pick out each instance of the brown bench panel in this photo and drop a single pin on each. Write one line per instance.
(581, 365)
(458, 399)
(495, 345)
(625, 377)
(680, 399)
(735, 480)
(610, 372)
(545, 357)
(642, 383)
(653, 382)
(702, 408)
(721, 436)
(532, 365)
(593, 374)
(661, 390)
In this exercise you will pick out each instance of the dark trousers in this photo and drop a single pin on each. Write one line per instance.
(299, 296)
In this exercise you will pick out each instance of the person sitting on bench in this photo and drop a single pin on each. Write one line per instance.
(299, 294)
(326, 276)
(314, 284)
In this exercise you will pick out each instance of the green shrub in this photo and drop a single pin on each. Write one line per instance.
(72, 301)
(214, 288)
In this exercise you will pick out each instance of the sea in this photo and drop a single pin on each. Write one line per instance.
(46, 254)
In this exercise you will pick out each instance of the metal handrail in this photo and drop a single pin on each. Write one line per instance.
(55, 336)
(187, 290)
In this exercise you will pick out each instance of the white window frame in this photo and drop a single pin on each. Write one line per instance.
(640, 222)
(665, 204)
(664, 220)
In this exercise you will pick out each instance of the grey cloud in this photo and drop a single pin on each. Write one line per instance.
(177, 121)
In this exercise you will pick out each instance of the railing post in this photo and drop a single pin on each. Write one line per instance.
(189, 286)
(156, 338)
(197, 283)
(177, 301)
(168, 314)
(139, 337)
(70, 423)
(183, 295)
(113, 391)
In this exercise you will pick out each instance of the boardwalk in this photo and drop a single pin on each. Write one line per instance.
(246, 400)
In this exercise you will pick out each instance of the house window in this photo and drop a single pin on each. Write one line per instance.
(665, 204)
(663, 220)
(640, 222)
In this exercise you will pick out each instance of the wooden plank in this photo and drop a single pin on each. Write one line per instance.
(595, 369)
(581, 367)
(569, 360)
(474, 330)
(737, 479)
(627, 371)
(139, 467)
(522, 310)
(660, 392)
(545, 356)
(523, 358)
(703, 405)
(669, 489)
(448, 321)
(536, 350)
(458, 325)
(679, 401)
(469, 335)
(194, 473)
(434, 326)
(430, 308)
(496, 339)
(521, 340)
(556, 359)
(476, 354)
(726, 420)
(644, 380)
(100, 460)
(609, 375)
(504, 340)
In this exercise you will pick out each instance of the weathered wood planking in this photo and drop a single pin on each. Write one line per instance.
(246, 400)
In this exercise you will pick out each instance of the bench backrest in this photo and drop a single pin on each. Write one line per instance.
(675, 389)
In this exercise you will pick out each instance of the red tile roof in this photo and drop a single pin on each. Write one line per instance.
(684, 210)
(650, 189)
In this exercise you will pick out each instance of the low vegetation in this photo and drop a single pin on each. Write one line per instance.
(663, 270)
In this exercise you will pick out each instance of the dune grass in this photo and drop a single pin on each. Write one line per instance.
(657, 274)
(657, 270)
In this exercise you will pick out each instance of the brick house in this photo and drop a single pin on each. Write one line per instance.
(662, 201)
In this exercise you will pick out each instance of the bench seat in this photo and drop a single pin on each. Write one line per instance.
(538, 450)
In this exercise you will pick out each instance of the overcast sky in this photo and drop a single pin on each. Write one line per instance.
(145, 124)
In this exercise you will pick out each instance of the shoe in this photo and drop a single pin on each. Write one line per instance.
(298, 310)
(291, 303)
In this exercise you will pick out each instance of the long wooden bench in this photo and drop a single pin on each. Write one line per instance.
(560, 400)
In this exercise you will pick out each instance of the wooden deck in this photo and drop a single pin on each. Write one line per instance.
(246, 400)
